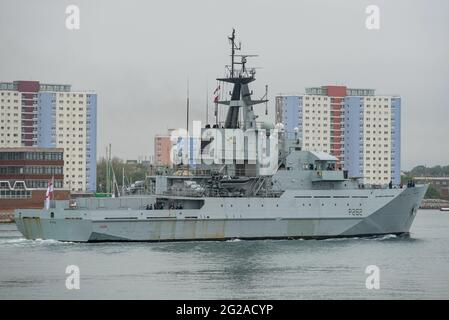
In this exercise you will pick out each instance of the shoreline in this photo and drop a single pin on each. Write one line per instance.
(435, 204)
(7, 217)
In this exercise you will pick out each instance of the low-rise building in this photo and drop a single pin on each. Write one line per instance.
(24, 176)
(34, 114)
(162, 150)
(441, 184)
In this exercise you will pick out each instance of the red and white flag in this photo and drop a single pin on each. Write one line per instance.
(50, 191)
(216, 94)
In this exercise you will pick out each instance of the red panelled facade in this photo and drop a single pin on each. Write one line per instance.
(29, 90)
(337, 94)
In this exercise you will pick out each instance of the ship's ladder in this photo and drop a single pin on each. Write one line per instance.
(257, 184)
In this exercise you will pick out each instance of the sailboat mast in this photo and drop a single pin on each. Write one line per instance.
(123, 179)
(110, 169)
(188, 111)
(207, 104)
(107, 170)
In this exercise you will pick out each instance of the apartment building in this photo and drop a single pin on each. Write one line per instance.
(357, 126)
(53, 116)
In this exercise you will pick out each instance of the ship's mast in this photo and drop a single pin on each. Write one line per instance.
(241, 95)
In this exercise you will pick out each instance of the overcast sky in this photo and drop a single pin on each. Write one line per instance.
(138, 55)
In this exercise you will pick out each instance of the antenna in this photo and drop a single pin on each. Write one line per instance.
(234, 47)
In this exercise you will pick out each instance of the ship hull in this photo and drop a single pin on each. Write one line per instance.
(293, 219)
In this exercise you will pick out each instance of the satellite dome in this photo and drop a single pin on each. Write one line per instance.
(279, 126)
(267, 126)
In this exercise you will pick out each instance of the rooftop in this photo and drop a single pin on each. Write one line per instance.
(15, 85)
(30, 149)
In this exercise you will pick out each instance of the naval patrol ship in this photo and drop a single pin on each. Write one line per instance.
(237, 194)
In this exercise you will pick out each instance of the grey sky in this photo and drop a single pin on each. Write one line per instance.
(138, 55)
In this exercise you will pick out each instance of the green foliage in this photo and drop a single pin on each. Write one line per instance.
(405, 178)
(432, 193)
(133, 172)
(436, 171)
(423, 171)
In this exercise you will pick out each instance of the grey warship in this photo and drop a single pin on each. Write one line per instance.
(298, 194)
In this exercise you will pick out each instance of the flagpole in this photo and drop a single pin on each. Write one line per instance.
(53, 190)
(216, 98)
(47, 195)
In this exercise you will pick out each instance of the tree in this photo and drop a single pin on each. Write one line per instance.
(133, 172)
(435, 171)
(432, 193)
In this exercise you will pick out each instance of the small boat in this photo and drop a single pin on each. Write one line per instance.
(444, 209)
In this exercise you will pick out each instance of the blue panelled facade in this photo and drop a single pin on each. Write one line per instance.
(46, 120)
(91, 149)
(289, 113)
(353, 124)
(396, 140)
(46, 132)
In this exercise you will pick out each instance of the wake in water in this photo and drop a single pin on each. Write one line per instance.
(234, 240)
(27, 242)
(384, 237)
(369, 238)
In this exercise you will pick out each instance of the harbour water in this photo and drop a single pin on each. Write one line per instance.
(416, 267)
